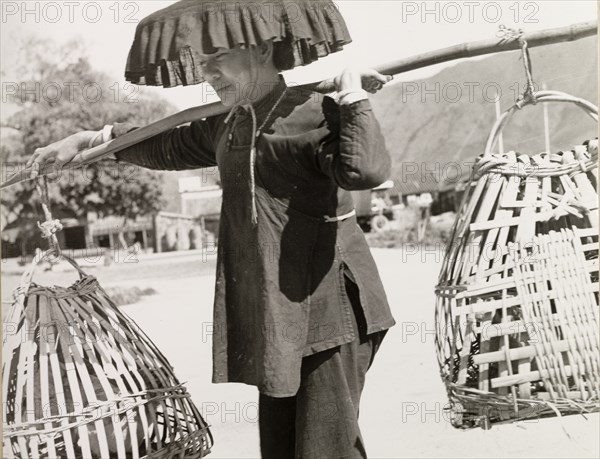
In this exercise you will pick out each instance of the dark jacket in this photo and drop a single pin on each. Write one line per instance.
(280, 283)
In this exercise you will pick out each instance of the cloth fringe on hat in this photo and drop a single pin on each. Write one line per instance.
(167, 44)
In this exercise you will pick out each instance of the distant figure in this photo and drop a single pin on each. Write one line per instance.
(195, 236)
(378, 205)
(108, 257)
(424, 204)
(170, 239)
(133, 251)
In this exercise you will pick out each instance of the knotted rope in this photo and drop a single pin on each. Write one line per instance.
(49, 227)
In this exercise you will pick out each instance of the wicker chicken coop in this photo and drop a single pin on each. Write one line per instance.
(81, 380)
(517, 297)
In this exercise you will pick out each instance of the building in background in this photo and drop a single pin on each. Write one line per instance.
(202, 201)
(115, 231)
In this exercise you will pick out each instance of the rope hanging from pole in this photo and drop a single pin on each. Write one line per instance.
(529, 95)
(507, 33)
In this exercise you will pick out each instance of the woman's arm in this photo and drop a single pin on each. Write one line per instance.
(185, 147)
(354, 154)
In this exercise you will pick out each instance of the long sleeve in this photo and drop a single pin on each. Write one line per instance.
(354, 153)
(185, 147)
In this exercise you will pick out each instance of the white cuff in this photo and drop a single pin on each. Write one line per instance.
(106, 136)
(93, 139)
(349, 96)
(107, 133)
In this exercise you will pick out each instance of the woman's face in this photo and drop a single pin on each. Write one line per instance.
(235, 75)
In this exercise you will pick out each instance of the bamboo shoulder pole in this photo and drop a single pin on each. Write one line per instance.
(465, 50)
(495, 45)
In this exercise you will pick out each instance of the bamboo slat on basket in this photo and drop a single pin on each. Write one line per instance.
(108, 357)
(87, 353)
(493, 305)
(465, 351)
(73, 369)
(509, 282)
(589, 266)
(526, 226)
(30, 393)
(514, 221)
(504, 366)
(68, 439)
(44, 375)
(572, 394)
(461, 228)
(454, 343)
(484, 211)
(498, 238)
(22, 369)
(507, 381)
(588, 192)
(484, 348)
(506, 328)
(519, 353)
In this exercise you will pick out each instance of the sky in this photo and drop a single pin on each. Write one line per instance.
(382, 31)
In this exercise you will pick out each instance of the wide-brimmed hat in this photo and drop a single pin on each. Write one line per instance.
(167, 44)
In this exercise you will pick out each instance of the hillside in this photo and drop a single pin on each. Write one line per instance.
(443, 121)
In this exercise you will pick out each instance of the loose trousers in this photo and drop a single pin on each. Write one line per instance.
(321, 420)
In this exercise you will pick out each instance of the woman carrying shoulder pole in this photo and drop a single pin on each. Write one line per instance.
(299, 307)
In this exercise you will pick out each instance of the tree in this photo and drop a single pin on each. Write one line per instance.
(57, 93)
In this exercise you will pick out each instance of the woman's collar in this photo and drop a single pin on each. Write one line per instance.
(264, 104)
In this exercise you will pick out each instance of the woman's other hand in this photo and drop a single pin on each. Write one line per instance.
(59, 153)
(353, 79)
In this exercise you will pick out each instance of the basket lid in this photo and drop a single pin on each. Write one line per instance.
(167, 43)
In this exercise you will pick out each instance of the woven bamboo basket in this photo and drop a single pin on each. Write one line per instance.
(517, 296)
(81, 380)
